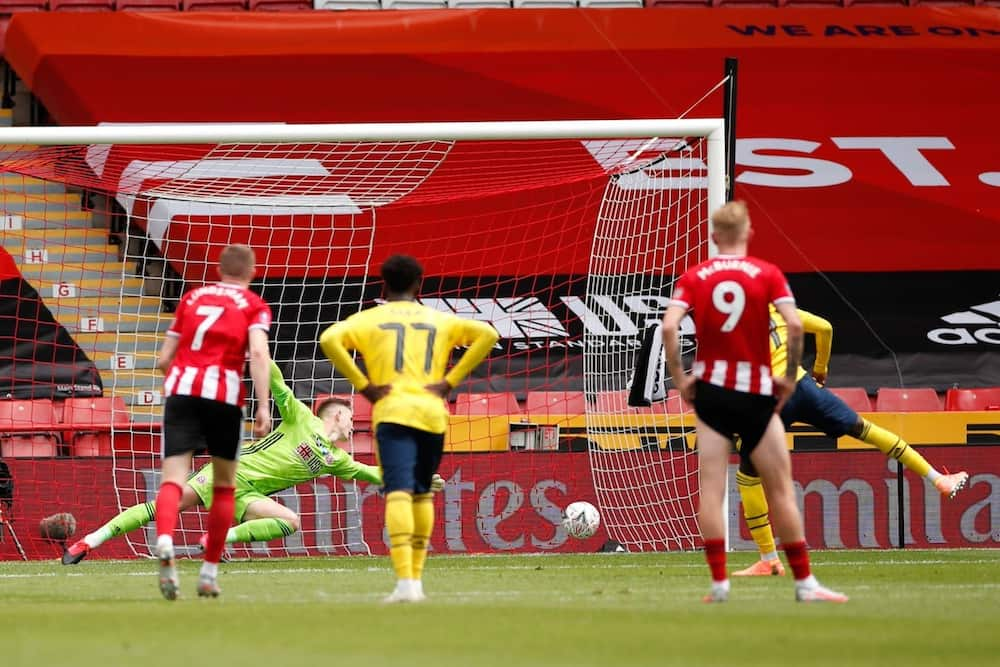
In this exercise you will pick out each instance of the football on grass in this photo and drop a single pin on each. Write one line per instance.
(59, 527)
(581, 519)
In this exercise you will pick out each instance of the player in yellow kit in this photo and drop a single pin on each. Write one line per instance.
(813, 405)
(406, 348)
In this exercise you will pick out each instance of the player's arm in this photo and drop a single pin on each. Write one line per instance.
(337, 342)
(291, 409)
(480, 338)
(671, 327)
(823, 331)
(173, 339)
(349, 468)
(167, 352)
(260, 371)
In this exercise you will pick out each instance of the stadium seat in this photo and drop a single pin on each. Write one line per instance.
(214, 5)
(855, 397)
(91, 421)
(541, 4)
(609, 4)
(149, 5)
(346, 4)
(675, 405)
(479, 4)
(919, 399)
(679, 3)
(414, 4)
(360, 405)
(280, 5)
(27, 428)
(12, 6)
(82, 5)
(492, 404)
(541, 403)
(972, 399)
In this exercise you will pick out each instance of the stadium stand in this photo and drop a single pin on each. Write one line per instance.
(149, 5)
(92, 420)
(855, 397)
(919, 399)
(82, 5)
(972, 399)
(544, 403)
(27, 428)
(488, 404)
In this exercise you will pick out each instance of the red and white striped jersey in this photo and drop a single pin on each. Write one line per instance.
(728, 297)
(213, 323)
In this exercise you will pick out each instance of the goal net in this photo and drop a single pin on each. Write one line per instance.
(564, 236)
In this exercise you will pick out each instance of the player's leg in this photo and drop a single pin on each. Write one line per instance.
(182, 436)
(836, 419)
(771, 459)
(222, 428)
(397, 451)
(263, 520)
(755, 513)
(429, 451)
(130, 519)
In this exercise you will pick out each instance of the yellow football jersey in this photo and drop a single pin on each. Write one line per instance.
(811, 324)
(407, 345)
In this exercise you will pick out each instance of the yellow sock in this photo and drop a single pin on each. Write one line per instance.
(423, 525)
(755, 511)
(892, 445)
(399, 522)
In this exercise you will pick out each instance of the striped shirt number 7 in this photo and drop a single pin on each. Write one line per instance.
(211, 315)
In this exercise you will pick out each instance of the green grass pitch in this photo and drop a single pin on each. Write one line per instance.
(909, 608)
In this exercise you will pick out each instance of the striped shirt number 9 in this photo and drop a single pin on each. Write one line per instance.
(729, 299)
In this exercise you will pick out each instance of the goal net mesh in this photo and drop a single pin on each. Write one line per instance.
(568, 247)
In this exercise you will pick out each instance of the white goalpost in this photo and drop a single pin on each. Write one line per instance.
(500, 208)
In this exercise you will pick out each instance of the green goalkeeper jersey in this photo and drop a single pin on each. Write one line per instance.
(297, 451)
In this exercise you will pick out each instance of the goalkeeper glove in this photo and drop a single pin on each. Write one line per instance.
(437, 483)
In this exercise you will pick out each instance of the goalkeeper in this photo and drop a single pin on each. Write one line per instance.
(813, 405)
(299, 450)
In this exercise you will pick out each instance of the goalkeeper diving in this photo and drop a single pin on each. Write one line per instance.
(301, 449)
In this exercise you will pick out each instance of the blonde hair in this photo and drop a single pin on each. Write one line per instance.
(731, 221)
(237, 261)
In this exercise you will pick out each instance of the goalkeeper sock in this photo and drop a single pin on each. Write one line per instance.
(168, 501)
(892, 445)
(220, 518)
(134, 517)
(423, 525)
(399, 523)
(715, 555)
(755, 513)
(259, 530)
(798, 559)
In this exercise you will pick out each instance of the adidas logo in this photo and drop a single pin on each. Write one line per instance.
(979, 324)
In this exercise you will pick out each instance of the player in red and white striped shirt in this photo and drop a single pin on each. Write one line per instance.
(733, 392)
(203, 358)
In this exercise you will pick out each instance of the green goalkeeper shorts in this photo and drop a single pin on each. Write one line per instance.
(201, 482)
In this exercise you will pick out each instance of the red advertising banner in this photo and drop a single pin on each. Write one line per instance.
(510, 503)
(863, 124)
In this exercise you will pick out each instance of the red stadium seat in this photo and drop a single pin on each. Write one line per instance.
(8, 7)
(675, 405)
(679, 3)
(27, 428)
(149, 5)
(91, 420)
(82, 5)
(490, 404)
(855, 397)
(214, 5)
(541, 403)
(920, 399)
(280, 5)
(972, 399)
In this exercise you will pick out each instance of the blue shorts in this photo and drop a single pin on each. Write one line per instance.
(409, 457)
(817, 407)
